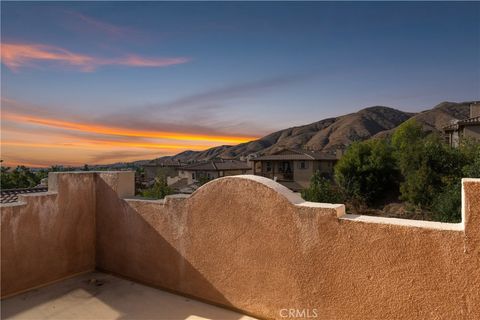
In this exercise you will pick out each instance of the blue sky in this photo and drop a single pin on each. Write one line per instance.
(218, 73)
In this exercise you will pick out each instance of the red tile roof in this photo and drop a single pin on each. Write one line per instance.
(11, 195)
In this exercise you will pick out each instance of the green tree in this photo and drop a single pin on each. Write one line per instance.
(20, 177)
(322, 190)
(159, 190)
(367, 171)
(447, 205)
(427, 168)
(407, 145)
(6, 181)
(202, 180)
(471, 151)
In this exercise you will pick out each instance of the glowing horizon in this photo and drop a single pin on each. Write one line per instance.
(101, 138)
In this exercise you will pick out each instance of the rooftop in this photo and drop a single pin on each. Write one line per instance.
(164, 163)
(290, 154)
(103, 296)
(11, 195)
(218, 165)
(475, 121)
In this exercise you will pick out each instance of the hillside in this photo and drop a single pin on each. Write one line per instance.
(332, 133)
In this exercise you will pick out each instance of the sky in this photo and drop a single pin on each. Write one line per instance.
(101, 82)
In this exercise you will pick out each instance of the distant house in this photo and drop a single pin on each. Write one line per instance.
(463, 129)
(167, 168)
(211, 170)
(294, 168)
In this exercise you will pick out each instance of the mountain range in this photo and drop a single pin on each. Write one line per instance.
(333, 133)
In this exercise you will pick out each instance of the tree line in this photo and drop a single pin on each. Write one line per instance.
(24, 177)
(411, 165)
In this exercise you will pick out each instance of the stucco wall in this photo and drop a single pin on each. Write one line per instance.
(51, 236)
(472, 132)
(239, 242)
(151, 172)
(303, 176)
(248, 243)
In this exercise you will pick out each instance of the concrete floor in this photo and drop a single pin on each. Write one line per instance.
(101, 296)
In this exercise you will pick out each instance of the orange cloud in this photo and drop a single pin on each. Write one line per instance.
(115, 131)
(15, 56)
(101, 144)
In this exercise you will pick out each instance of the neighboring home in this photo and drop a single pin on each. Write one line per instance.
(167, 168)
(294, 168)
(11, 195)
(212, 169)
(462, 129)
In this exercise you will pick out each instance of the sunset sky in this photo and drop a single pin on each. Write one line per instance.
(101, 82)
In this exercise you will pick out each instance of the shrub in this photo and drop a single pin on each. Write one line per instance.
(427, 165)
(472, 168)
(367, 171)
(322, 190)
(447, 205)
(20, 177)
(159, 190)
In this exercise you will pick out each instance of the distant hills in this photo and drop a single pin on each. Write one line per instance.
(333, 133)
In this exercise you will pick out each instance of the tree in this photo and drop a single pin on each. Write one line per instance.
(322, 190)
(6, 178)
(159, 190)
(367, 171)
(20, 177)
(471, 151)
(202, 180)
(447, 205)
(427, 165)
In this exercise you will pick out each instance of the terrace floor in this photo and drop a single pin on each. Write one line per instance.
(98, 295)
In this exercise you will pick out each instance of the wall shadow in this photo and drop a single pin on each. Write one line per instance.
(129, 246)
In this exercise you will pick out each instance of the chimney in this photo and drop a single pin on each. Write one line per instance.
(475, 109)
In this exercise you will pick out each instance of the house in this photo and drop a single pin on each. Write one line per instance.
(464, 129)
(167, 168)
(294, 168)
(213, 169)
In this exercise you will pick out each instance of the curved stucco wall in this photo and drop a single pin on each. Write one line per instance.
(250, 244)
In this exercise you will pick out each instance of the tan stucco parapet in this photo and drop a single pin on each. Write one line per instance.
(404, 222)
(248, 243)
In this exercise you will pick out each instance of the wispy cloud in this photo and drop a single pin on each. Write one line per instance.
(18, 55)
(215, 96)
(101, 26)
(122, 155)
(82, 23)
(29, 114)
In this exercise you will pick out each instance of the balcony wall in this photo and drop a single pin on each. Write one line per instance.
(50, 236)
(248, 243)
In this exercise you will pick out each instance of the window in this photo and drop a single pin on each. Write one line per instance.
(268, 166)
(303, 165)
(193, 175)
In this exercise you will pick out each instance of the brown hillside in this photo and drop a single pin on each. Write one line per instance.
(332, 133)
